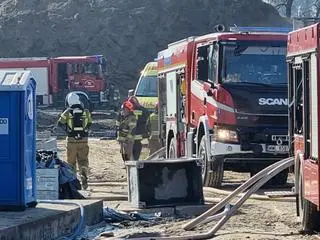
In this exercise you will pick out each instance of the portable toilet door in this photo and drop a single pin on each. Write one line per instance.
(18, 140)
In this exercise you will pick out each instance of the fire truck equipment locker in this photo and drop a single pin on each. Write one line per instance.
(18, 140)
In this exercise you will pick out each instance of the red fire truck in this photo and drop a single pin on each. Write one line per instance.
(223, 98)
(304, 101)
(56, 76)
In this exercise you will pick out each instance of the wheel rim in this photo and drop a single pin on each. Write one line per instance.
(202, 155)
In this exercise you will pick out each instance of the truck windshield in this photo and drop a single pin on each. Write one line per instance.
(254, 64)
(90, 68)
(147, 87)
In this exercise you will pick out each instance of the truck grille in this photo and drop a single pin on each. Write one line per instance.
(249, 135)
(261, 121)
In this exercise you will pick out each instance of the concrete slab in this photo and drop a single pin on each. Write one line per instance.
(48, 221)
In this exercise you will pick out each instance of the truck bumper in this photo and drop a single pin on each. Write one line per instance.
(236, 158)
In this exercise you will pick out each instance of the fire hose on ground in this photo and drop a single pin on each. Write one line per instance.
(251, 185)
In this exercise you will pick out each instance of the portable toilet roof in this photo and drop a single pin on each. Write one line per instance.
(14, 80)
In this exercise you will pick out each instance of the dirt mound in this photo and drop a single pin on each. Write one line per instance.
(46, 119)
(128, 33)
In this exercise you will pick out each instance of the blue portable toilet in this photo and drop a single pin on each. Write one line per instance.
(17, 140)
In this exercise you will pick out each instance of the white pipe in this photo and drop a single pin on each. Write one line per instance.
(217, 216)
(232, 195)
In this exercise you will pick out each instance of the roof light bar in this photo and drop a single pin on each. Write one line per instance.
(260, 29)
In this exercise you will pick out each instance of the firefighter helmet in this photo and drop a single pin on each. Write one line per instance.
(134, 101)
(127, 105)
(73, 99)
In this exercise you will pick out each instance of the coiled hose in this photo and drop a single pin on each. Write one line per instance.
(77, 232)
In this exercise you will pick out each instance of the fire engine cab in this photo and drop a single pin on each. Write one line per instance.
(223, 98)
(304, 98)
(56, 76)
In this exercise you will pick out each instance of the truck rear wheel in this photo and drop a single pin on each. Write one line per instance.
(309, 215)
(210, 177)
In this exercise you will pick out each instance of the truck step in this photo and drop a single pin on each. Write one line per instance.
(280, 194)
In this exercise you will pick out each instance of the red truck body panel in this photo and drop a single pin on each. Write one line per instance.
(302, 42)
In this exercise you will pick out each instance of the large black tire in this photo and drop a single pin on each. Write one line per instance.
(210, 178)
(309, 216)
(172, 151)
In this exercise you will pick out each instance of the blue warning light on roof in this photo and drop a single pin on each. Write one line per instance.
(260, 29)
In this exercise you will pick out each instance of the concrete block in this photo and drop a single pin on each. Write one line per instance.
(48, 221)
(192, 211)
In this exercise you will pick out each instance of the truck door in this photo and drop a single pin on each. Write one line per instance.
(204, 79)
(306, 106)
(299, 107)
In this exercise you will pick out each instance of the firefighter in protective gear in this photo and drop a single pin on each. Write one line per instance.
(141, 131)
(132, 128)
(77, 120)
(154, 143)
(126, 123)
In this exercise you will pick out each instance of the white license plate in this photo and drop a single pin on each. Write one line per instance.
(277, 148)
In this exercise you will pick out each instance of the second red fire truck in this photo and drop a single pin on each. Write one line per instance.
(223, 97)
(56, 76)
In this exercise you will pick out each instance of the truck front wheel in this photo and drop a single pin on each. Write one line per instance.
(212, 175)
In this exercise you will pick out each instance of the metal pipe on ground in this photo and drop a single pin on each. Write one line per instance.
(233, 194)
(257, 181)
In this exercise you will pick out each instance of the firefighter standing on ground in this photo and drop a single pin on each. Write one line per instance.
(126, 123)
(154, 143)
(132, 128)
(77, 120)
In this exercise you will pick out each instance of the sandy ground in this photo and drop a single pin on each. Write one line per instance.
(257, 219)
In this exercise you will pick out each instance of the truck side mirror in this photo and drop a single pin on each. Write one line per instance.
(130, 92)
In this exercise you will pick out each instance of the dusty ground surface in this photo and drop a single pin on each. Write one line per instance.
(256, 219)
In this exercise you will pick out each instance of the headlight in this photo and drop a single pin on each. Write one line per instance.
(225, 135)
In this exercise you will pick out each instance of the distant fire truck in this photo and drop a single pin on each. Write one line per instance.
(56, 76)
(223, 97)
(304, 101)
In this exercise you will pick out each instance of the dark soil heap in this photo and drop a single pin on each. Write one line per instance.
(128, 32)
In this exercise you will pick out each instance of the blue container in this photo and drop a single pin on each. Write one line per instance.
(17, 140)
